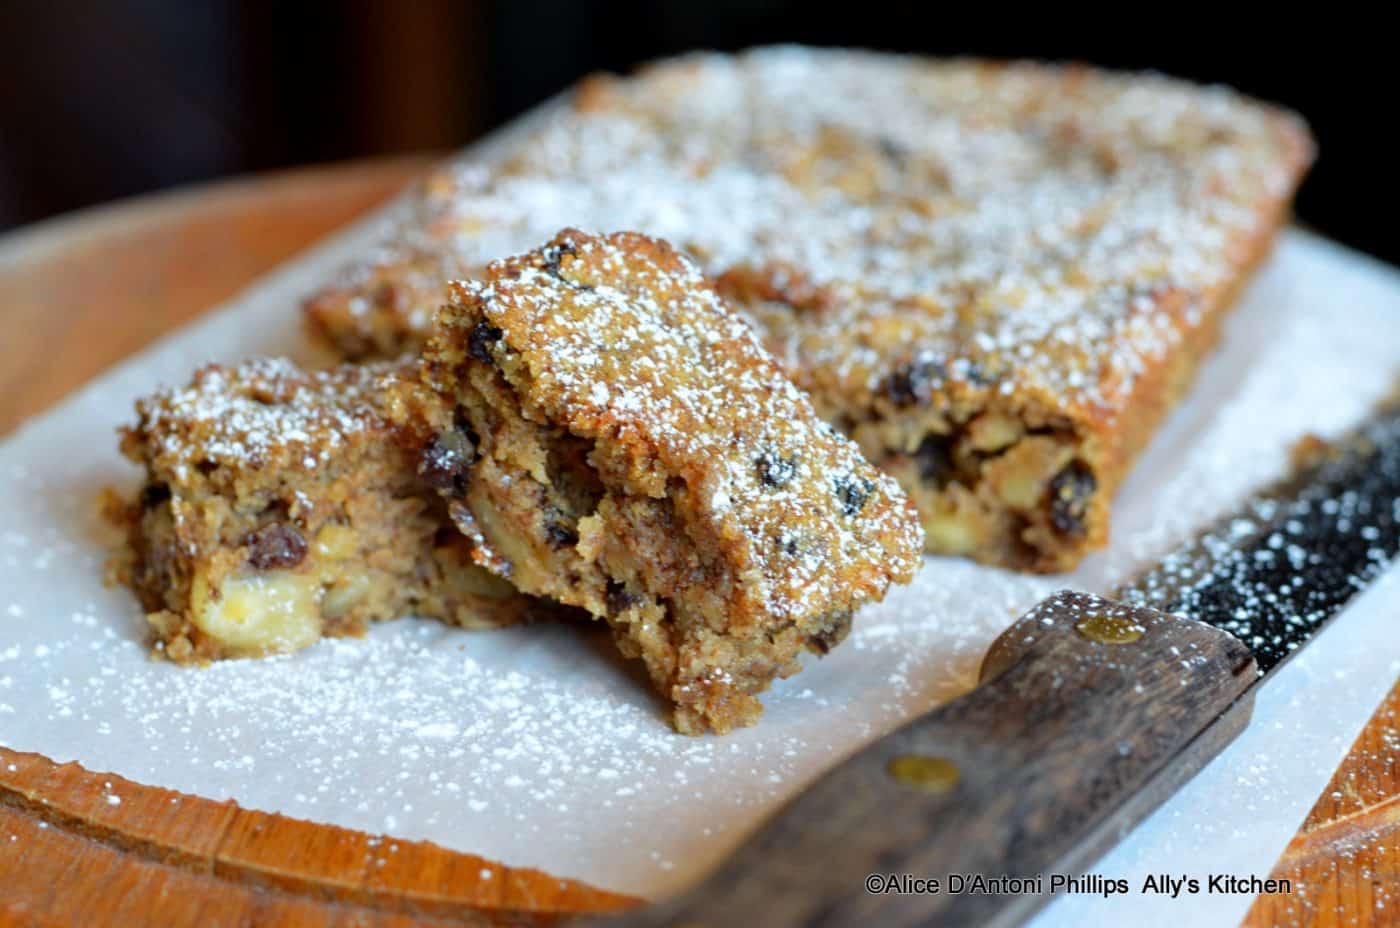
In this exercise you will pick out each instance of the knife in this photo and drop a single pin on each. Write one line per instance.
(1089, 713)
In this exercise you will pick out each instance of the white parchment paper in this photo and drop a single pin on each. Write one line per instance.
(537, 747)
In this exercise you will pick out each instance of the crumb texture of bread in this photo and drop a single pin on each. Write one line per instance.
(616, 439)
(995, 277)
(280, 506)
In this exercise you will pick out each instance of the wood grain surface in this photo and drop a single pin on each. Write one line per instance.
(71, 856)
(76, 295)
(1345, 860)
(80, 293)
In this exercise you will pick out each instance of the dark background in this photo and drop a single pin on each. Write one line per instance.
(100, 100)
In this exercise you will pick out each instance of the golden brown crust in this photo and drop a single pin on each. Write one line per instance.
(381, 308)
(381, 314)
(620, 442)
(995, 276)
(280, 506)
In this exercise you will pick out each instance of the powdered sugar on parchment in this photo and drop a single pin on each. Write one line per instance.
(536, 746)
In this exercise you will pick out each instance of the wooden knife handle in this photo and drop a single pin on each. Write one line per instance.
(1089, 714)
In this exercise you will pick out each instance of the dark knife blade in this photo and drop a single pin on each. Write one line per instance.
(1273, 572)
(1089, 714)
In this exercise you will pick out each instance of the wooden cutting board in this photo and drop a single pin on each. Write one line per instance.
(84, 291)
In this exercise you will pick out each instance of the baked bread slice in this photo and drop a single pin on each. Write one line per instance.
(280, 506)
(611, 436)
(996, 278)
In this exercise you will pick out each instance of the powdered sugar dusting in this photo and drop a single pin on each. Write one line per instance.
(264, 413)
(1057, 226)
(624, 342)
(355, 732)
